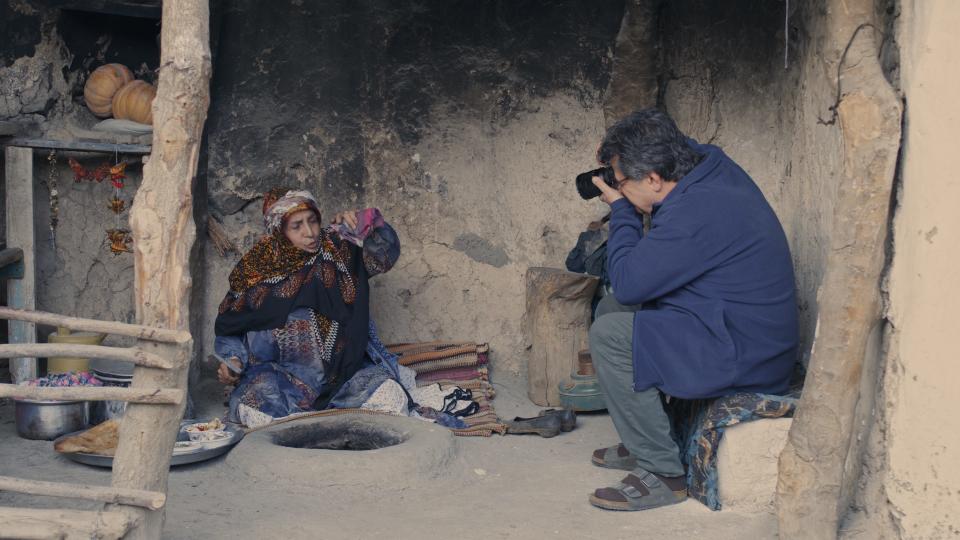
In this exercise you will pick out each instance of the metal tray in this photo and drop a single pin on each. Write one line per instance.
(194, 453)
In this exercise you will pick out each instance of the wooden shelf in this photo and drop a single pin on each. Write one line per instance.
(78, 146)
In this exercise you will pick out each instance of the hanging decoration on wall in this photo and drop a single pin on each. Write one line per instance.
(120, 241)
(118, 238)
(54, 196)
(81, 173)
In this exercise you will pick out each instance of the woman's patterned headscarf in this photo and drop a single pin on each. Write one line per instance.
(281, 203)
(274, 256)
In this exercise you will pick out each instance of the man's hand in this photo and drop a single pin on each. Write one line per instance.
(349, 217)
(607, 193)
(225, 376)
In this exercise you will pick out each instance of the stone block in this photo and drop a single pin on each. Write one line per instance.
(747, 464)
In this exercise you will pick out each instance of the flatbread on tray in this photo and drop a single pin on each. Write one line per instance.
(101, 439)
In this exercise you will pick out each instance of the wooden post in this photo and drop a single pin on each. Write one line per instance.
(163, 233)
(633, 81)
(557, 321)
(21, 293)
(819, 466)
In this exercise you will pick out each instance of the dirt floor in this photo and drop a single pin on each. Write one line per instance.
(499, 487)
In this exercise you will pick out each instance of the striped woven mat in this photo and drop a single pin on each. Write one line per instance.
(452, 363)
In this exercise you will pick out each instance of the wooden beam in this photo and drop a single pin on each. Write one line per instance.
(147, 396)
(21, 292)
(78, 146)
(10, 255)
(134, 497)
(161, 220)
(146, 333)
(139, 8)
(35, 523)
(47, 350)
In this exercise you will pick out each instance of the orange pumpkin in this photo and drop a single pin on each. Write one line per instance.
(101, 86)
(133, 102)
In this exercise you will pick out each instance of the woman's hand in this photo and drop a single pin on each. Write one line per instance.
(349, 217)
(225, 375)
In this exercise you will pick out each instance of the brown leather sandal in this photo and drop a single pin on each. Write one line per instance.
(641, 490)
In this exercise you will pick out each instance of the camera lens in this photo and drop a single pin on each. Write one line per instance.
(585, 186)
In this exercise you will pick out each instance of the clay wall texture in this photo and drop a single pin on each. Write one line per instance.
(465, 122)
(919, 431)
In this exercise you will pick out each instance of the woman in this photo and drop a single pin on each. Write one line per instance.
(295, 326)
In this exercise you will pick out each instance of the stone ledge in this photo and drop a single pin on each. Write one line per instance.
(747, 463)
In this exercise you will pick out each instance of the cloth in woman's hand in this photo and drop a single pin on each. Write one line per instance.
(367, 220)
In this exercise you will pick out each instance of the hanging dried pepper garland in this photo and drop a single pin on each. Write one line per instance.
(119, 239)
(81, 173)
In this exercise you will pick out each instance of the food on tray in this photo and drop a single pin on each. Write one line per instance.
(101, 439)
(213, 425)
(206, 431)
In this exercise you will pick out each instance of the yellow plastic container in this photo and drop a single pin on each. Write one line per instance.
(62, 364)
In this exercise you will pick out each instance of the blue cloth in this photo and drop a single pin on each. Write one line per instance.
(698, 427)
(716, 279)
(280, 380)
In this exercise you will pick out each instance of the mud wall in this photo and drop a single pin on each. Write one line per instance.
(465, 122)
(44, 58)
(909, 489)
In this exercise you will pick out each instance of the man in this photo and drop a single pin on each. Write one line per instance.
(715, 279)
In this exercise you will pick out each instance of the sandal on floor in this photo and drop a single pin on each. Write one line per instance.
(641, 490)
(614, 457)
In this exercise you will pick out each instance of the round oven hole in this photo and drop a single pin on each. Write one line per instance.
(348, 434)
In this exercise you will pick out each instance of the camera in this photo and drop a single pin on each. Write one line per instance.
(585, 186)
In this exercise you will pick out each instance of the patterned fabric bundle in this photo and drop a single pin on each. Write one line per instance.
(70, 378)
(698, 427)
(455, 364)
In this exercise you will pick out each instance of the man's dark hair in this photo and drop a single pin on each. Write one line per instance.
(649, 141)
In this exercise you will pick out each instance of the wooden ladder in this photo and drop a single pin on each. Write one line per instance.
(147, 434)
(161, 221)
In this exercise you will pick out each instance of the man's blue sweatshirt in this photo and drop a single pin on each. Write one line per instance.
(715, 276)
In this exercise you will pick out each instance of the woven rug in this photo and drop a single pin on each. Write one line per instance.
(450, 364)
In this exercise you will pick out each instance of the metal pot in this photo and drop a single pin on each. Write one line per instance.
(111, 375)
(47, 420)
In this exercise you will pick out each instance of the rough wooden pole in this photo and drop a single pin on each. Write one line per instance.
(636, 61)
(815, 467)
(136, 497)
(557, 323)
(92, 325)
(163, 233)
(172, 396)
(19, 215)
(30, 523)
(48, 350)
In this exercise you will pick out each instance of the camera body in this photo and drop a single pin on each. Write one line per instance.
(585, 186)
